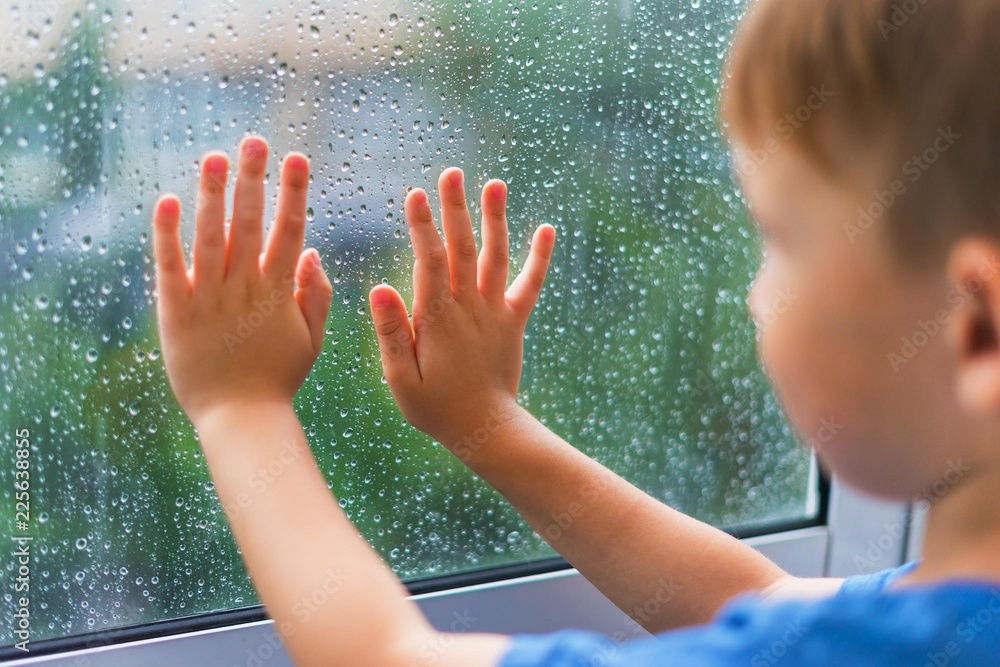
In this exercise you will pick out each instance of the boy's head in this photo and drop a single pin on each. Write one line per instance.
(866, 135)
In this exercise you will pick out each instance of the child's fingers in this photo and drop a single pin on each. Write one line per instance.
(523, 293)
(494, 258)
(430, 269)
(313, 295)
(171, 272)
(285, 242)
(395, 336)
(210, 231)
(457, 226)
(247, 228)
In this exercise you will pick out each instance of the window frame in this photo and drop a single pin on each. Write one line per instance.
(511, 600)
(541, 596)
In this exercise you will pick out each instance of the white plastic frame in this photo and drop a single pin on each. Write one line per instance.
(862, 535)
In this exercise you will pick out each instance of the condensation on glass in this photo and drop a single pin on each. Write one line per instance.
(601, 117)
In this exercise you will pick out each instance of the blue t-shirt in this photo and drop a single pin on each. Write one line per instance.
(951, 624)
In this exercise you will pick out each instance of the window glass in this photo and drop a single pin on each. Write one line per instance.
(601, 117)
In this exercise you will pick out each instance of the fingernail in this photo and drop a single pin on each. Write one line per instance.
(169, 206)
(254, 147)
(419, 197)
(456, 177)
(381, 298)
(296, 161)
(500, 191)
(314, 259)
(215, 164)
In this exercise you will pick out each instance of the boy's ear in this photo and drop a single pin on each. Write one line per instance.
(974, 276)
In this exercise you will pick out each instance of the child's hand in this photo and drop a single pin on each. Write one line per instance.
(241, 327)
(456, 370)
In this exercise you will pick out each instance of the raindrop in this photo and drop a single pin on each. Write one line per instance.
(654, 374)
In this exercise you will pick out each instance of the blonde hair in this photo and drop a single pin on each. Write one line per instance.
(899, 96)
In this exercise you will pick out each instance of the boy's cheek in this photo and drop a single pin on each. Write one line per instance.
(791, 341)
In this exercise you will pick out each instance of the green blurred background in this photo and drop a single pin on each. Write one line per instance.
(601, 116)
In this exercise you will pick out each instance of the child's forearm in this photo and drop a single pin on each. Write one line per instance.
(454, 371)
(333, 600)
(331, 597)
(662, 567)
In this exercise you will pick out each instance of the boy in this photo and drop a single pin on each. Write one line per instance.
(908, 89)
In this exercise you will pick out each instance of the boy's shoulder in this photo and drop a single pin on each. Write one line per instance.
(875, 582)
(954, 623)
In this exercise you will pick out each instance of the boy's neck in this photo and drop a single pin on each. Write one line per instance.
(963, 531)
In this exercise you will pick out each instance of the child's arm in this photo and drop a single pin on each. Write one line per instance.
(239, 335)
(455, 374)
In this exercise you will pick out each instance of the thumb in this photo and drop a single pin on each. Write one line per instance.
(313, 295)
(523, 293)
(395, 336)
